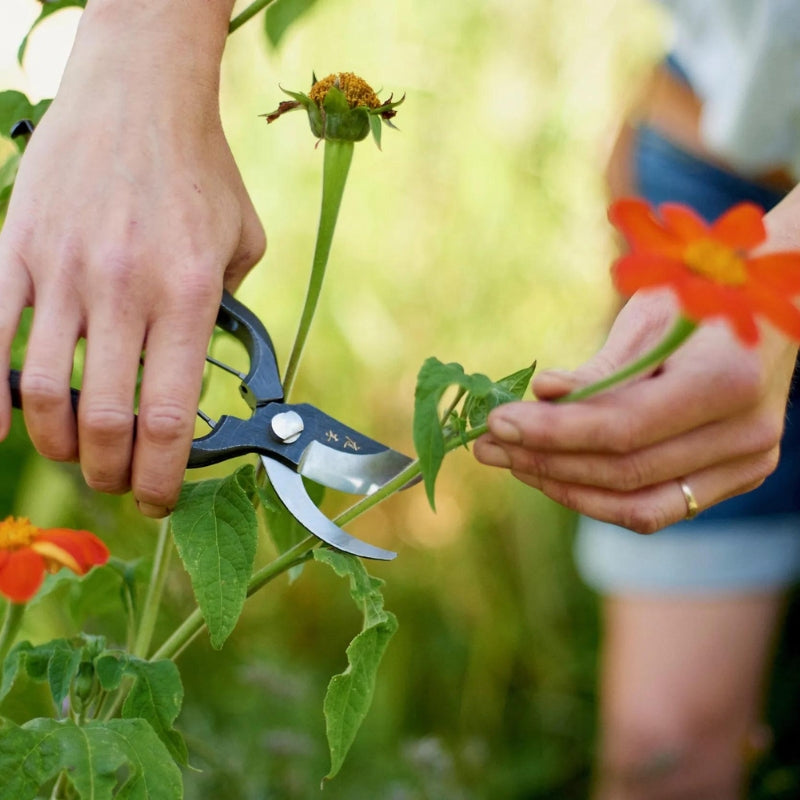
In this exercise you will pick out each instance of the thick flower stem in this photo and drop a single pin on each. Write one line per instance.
(680, 332)
(337, 159)
(11, 623)
(152, 603)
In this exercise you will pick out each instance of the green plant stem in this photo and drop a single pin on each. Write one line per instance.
(337, 159)
(409, 474)
(194, 622)
(11, 622)
(680, 332)
(247, 14)
(301, 552)
(155, 590)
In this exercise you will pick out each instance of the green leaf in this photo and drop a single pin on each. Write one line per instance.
(121, 758)
(156, 695)
(512, 387)
(281, 15)
(349, 694)
(56, 662)
(48, 8)
(481, 396)
(433, 380)
(15, 106)
(284, 530)
(215, 530)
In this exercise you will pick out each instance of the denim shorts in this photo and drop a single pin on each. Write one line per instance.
(747, 543)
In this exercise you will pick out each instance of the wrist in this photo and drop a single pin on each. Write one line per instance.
(181, 39)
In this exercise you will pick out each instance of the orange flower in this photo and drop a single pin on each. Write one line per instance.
(709, 267)
(27, 551)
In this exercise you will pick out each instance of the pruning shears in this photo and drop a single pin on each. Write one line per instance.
(292, 439)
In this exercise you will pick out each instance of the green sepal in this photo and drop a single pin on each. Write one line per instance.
(342, 123)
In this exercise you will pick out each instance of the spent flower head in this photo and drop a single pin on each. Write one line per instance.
(341, 107)
(27, 552)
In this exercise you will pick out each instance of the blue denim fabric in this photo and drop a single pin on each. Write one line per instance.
(666, 173)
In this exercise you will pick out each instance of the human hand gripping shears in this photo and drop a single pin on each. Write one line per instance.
(292, 439)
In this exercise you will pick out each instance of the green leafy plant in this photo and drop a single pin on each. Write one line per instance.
(95, 716)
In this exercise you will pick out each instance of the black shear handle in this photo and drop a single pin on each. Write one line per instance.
(262, 384)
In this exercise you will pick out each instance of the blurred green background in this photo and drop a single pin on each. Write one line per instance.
(477, 235)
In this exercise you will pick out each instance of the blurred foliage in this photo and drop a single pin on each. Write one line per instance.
(477, 235)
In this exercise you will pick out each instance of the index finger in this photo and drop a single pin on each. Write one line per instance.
(692, 389)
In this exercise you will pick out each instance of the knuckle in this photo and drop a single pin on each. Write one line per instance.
(195, 289)
(166, 423)
(766, 432)
(530, 462)
(108, 482)
(745, 383)
(105, 422)
(120, 270)
(156, 494)
(41, 390)
(631, 473)
(762, 467)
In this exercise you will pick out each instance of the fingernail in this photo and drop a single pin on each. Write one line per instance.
(149, 510)
(505, 430)
(563, 374)
(493, 456)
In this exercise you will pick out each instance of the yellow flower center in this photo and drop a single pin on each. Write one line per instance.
(357, 91)
(716, 262)
(17, 532)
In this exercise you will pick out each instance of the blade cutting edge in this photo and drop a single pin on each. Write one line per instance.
(289, 487)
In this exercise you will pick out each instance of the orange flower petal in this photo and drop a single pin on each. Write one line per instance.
(84, 548)
(777, 309)
(779, 271)
(741, 228)
(21, 574)
(642, 230)
(684, 222)
(642, 271)
(703, 299)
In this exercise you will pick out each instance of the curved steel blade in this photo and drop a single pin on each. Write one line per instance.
(289, 487)
(351, 472)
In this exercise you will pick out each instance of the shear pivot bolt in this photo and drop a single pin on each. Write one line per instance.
(287, 426)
